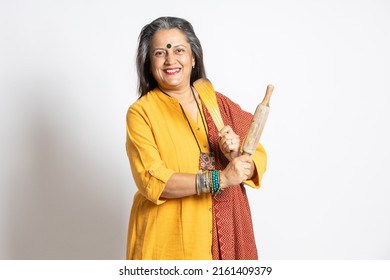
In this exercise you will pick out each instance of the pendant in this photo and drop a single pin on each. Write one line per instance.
(206, 161)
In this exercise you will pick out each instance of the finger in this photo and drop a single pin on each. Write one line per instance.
(226, 143)
(225, 130)
(227, 148)
(234, 146)
(246, 166)
(243, 174)
(226, 139)
(246, 158)
(236, 140)
(231, 140)
(242, 159)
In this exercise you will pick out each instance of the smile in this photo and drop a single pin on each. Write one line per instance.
(172, 71)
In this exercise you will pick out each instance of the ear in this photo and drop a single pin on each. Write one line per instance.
(193, 62)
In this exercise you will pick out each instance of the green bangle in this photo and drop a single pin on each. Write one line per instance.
(215, 181)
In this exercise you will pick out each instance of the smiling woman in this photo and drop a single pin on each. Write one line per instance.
(191, 202)
(171, 61)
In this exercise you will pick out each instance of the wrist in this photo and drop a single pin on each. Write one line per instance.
(222, 180)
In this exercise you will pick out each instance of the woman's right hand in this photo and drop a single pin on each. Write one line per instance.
(238, 170)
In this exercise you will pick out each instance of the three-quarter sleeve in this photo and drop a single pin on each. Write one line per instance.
(149, 171)
(259, 158)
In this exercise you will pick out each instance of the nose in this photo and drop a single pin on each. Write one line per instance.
(169, 58)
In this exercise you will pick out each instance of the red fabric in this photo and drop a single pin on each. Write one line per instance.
(233, 237)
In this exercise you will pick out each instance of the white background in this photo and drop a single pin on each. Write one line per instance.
(67, 77)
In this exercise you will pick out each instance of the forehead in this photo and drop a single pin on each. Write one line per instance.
(173, 36)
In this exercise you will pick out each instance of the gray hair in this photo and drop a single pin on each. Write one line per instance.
(146, 81)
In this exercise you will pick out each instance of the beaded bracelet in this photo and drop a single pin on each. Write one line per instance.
(216, 181)
(208, 181)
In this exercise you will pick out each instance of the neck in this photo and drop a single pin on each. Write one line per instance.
(184, 96)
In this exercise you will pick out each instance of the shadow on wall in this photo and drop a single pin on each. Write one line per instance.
(63, 197)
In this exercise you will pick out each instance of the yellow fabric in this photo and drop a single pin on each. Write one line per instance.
(160, 143)
(207, 93)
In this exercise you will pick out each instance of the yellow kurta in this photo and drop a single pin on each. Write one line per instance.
(160, 143)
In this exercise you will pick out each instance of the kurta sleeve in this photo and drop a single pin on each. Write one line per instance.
(149, 171)
(260, 160)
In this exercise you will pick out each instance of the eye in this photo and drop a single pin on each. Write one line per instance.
(180, 51)
(159, 53)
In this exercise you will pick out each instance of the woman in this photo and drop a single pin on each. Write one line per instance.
(190, 203)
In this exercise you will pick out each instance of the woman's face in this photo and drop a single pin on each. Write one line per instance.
(171, 59)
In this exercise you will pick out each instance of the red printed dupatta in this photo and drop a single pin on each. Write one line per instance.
(233, 237)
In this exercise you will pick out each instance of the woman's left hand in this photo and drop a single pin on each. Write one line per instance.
(229, 143)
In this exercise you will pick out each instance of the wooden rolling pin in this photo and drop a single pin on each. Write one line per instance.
(258, 122)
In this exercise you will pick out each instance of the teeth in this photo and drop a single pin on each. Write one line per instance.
(172, 70)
